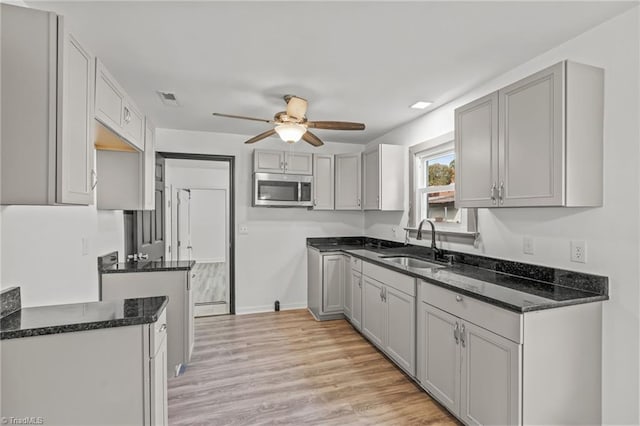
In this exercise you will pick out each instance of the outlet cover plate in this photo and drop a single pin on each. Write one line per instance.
(579, 251)
(527, 245)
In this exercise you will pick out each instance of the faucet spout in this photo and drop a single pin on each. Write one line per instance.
(436, 250)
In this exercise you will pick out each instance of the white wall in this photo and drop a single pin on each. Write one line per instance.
(271, 258)
(208, 206)
(611, 232)
(42, 251)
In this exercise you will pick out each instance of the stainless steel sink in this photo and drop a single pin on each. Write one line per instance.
(411, 262)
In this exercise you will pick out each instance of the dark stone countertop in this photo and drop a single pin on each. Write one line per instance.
(56, 319)
(511, 285)
(149, 266)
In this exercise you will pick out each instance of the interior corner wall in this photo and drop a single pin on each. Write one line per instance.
(612, 232)
(271, 258)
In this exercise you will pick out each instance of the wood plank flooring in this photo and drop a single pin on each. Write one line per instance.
(287, 368)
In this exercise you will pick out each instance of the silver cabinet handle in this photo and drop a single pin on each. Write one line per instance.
(163, 328)
(493, 193)
(127, 115)
(381, 296)
(462, 341)
(282, 165)
(359, 283)
(456, 333)
(384, 295)
(358, 202)
(94, 178)
(458, 298)
(501, 193)
(315, 201)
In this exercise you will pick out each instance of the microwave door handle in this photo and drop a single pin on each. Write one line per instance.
(299, 191)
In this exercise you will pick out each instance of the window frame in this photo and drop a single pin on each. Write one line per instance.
(433, 148)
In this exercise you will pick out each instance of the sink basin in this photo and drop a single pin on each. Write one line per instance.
(411, 262)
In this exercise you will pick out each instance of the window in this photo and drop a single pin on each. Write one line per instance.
(433, 175)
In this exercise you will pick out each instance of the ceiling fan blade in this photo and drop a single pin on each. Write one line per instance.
(312, 139)
(261, 136)
(296, 107)
(242, 117)
(335, 125)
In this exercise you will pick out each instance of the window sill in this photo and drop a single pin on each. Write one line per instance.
(445, 232)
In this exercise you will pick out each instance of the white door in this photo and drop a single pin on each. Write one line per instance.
(323, 182)
(298, 163)
(439, 355)
(401, 336)
(333, 268)
(531, 140)
(356, 299)
(75, 121)
(268, 161)
(371, 173)
(348, 182)
(476, 141)
(373, 311)
(490, 381)
(184, 224)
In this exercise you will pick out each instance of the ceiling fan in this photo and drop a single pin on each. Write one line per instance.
(292, 125)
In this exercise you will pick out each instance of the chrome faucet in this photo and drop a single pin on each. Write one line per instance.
(436, 250)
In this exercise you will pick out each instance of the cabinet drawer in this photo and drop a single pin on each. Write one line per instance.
(393, 279)
(158, 332)
(356, 264)
(497, 320)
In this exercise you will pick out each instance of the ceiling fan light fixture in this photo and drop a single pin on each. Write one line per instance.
(290, 132)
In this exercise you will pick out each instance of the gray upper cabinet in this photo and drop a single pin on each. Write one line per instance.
(383, 177)
(323, 182)
(47, 111)
(348, 186)
(116, 111)
(268, 161)
(536, 142)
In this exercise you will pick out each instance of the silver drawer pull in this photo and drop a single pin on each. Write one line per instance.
(456, 333)
(462, 341)
(163, 328)
(458, 298)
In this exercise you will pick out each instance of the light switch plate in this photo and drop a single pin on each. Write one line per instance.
(579, 251)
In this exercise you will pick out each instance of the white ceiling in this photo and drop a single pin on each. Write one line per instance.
(353, 61)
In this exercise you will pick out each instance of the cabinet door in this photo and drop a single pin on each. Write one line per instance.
(109, 99)
(531, 140)
(439, 355)
(401, 336)
(348, 186)
(268, 161)
(159, 404)
(323, 182)
(371, 173)
(149, 167)
(74, 144)
(298, 163)
(348, 290)
(333, 283)
(373, 311)
(133, 125)
(476, 142)
(490, 379)
(356, 299)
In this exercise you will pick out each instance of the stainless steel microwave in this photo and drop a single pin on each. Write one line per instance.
(282, 190)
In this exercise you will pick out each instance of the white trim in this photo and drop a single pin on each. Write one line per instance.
(211, 260)
(269, 308)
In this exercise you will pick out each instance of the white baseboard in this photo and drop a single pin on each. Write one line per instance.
(243, 310)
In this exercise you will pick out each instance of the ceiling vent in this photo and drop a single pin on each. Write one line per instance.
(168, 98)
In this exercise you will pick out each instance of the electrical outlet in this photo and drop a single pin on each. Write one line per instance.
(243, 230)
(578, 251)
(527, 245)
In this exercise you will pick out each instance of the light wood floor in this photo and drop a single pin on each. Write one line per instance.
(287, 368)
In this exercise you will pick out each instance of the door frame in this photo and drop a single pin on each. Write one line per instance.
(232, 212)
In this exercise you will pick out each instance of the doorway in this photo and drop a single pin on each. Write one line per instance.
(199, 226)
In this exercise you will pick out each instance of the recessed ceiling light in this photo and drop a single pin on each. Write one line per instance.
(421, 105)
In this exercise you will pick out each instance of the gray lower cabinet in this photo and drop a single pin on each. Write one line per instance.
(487, 365)
(174, 284)
(108, 376)
(388, 314)
(356, 299)
(326, 282)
